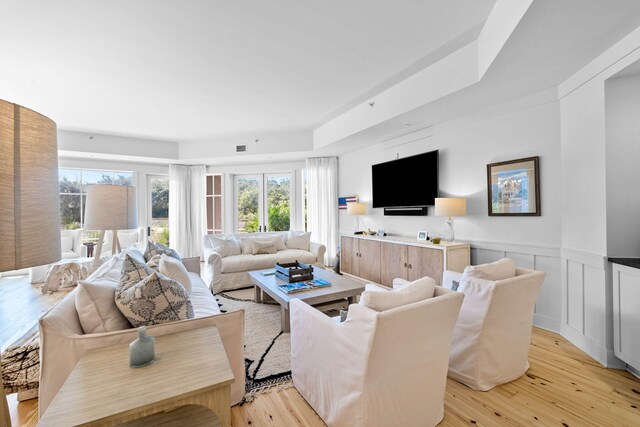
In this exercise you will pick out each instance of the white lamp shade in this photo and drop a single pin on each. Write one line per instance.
(110, 207)
(29, 194)
(451, 206)
(355, 208)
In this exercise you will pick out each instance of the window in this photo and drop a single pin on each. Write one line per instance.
(159, 193)
(73, 190)
(214, 204)
(263, 202)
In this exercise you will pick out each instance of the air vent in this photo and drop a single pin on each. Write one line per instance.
(241, 148)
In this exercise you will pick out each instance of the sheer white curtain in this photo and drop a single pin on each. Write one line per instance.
(322, 204)
(187, 209)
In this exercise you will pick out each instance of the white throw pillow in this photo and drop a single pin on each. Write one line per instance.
(263, 247)
(499, 270)
(66, 243)
(247, 247)
(298, 240)
(96, 307)
(224, 244)
(174, 269)
(379, 299)
(127, 239)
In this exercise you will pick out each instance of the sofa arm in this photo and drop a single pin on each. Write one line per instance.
(318, 250)
(212, 268)
(448, 277)
(192, 264)
(61, 350)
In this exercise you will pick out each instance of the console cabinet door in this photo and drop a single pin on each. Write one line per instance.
(369, 260)
(349, 256)
(393, 262)
(425, 262)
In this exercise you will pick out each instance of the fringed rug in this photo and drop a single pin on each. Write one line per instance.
(267, 350)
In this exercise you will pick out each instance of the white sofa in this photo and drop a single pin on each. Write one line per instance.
(63, 341)
(226, 272)
(377, 368)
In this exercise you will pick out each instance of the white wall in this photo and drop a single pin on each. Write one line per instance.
(464, 155)
(466, 146)
(622, 111)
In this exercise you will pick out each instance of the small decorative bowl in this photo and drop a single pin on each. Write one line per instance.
(436, 240)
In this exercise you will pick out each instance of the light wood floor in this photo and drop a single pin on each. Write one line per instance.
(563, 387)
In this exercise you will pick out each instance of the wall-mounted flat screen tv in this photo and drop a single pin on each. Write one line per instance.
(407, 182)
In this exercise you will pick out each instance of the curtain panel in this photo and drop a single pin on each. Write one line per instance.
(187, 215)
(322, 204)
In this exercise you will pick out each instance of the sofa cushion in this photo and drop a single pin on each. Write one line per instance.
(298, 240)
(379, 299)
(202, 300)
(291, 255)
(247, 247)
(499, 270)
(235, 264)
(66, 243)
(174, 269)
(154, 248)
(224, 244)
(153, 300)
(263, 247)
(96, 307)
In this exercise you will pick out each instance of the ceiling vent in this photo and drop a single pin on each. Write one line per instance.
(241, 148)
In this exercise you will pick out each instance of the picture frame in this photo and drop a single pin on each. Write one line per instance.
(422, 235)
(513, 187)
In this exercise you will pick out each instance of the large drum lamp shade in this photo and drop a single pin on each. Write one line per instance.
(29, 195)
(110, 207)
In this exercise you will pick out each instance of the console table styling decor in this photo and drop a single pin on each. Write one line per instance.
(341, 288)
(382, 259)
(191, 368)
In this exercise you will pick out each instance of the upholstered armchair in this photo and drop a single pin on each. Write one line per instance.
(492, 336)
(377, 368)
(128, 238)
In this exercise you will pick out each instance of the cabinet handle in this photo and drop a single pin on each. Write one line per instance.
(405, 265)
(410, 267)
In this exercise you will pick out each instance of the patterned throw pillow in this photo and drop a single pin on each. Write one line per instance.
(343, 315)
(454, 285)
(146, 297)
(154, 249)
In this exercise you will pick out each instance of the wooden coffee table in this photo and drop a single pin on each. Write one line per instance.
(191, 368)
(342, 287)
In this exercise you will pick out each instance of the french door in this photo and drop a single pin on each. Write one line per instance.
(263, 202)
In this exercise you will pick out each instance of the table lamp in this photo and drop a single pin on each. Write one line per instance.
(357, 209)
(29, 196)
(110, 207)
(450, 207)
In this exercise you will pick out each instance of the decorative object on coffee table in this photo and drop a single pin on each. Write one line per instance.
(142, 350)
(450, 207)
(110, 207)
(294, 272)
(513, 187)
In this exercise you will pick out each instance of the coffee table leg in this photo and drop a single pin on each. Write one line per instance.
(257, 294)
(284, 319)
(351, 300)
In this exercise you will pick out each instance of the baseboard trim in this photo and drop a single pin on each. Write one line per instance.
(600, 354)
(547, 323)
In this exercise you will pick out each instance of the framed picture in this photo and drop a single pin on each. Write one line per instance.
(342, 201)
(422, 235)
(514, 187)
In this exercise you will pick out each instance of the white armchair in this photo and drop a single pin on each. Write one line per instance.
(71, 247)
(128, 238)
(383, 368)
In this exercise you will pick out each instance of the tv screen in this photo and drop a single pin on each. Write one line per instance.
(408, 182)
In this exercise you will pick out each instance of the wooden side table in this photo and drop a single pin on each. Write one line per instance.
(191, 368)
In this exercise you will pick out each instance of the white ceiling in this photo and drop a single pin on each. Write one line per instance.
(194, 70)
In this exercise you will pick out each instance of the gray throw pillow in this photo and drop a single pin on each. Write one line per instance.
(154, 249)
(146, 297)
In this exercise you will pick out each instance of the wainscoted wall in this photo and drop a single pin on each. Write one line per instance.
(548, 308)
(587, 315)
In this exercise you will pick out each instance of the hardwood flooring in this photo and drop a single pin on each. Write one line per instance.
(563, 387)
